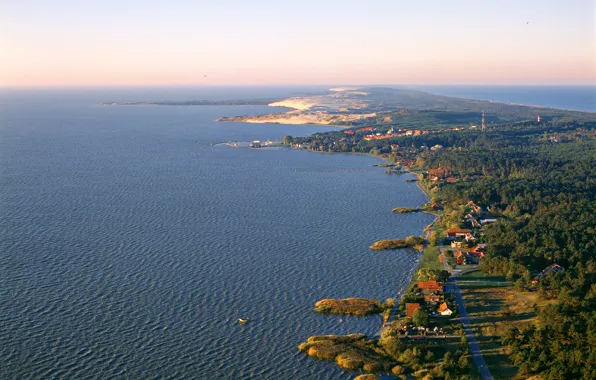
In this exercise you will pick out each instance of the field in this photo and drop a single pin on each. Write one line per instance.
(494, 306)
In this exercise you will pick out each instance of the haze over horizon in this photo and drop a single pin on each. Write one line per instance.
(70, 43)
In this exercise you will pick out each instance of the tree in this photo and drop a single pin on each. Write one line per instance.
(391, 343)
(288, 140)
(427, 274)
(464, 363)
(433, 238)
(420, 318)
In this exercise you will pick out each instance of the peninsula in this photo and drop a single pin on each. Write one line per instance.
(381, 110)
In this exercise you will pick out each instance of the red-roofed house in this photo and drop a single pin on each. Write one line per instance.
(441, 173)
(430, 285)
(457, 232)
(411, 308)
(444, 309)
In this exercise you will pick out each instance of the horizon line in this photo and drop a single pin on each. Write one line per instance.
(73, 86)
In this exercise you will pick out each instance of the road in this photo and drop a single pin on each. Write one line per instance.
(465, 320)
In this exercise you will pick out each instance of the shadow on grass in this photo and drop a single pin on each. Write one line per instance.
(483, 285)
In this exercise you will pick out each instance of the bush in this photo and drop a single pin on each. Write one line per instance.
(398, 370)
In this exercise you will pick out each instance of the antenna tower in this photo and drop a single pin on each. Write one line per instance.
(483, 119)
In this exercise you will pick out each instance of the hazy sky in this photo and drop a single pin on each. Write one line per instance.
(120, 42)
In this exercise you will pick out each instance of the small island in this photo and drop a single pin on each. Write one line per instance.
(410, 241)
(351, 306)
(406, 210)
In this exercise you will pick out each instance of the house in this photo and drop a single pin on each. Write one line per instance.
(411, 308)
(451, 180)
(475, 224)
(444, 309)
(551, 269)
(474, 207)
(433, 296)
(431, 285)
(460, 258)
(457, 232)
(486, 221)
(440, 173)
(456, 244)
(463, 258)
(349, 132)
(470, 237)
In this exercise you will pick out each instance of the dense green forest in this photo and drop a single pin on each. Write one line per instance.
(540, 180)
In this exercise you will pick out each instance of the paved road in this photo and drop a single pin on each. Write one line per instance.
(465, 320)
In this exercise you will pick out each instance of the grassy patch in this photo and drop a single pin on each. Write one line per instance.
(410, 241)
(493, 308)
(430, 259)
(354, 352)
(353, 306)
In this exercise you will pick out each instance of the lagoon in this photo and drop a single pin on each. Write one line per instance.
(132, 239)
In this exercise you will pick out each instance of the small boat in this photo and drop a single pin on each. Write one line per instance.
(242, 321)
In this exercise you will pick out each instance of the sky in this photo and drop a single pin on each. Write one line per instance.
(224, 42)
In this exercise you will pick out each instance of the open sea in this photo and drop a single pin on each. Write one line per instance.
(132, 239)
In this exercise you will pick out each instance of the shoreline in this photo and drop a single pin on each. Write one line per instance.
(420, 252)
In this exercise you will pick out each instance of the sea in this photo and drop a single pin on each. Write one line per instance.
(132, 238)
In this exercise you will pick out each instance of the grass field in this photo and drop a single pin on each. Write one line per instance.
(430, 259)
(477, 279)
(494, 306)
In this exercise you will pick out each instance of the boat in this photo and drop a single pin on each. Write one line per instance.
(242, 321)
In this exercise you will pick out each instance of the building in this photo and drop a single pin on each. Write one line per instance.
(440, 173)
(454, 233)
(411, 308)
(551, 269)
(457, 244)
(462, 258)
(433, 297)
(486, 221)
(444, 309)
(474, 207)
(431, 285)
(469, 237)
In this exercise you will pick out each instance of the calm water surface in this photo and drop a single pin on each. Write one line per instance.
(131, 240)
